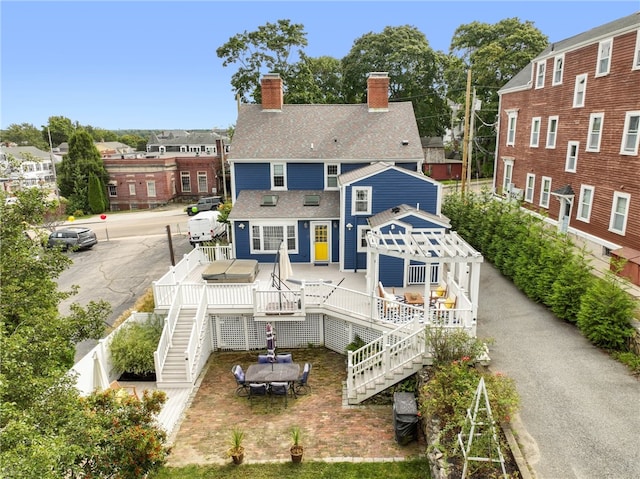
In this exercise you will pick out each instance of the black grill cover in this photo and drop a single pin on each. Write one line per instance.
(405, 417)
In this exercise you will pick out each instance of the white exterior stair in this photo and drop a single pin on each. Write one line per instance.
(174, 370)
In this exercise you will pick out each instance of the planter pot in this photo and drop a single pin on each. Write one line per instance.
(238, 459)
(296, 454)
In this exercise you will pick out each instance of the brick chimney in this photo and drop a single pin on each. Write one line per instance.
(378, 91)
(272, 96)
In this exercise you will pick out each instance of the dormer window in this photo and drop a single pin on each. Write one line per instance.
(269, 200)
(311, 200)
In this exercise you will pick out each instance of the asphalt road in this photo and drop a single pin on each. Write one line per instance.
(580, 411)
(133, 250)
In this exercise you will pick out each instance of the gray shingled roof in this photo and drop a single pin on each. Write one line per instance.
(615, 27)
(21, 152)
(402, 211)
(344, 132)
(290, 205)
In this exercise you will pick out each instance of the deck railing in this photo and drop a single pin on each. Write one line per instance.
(194, 346)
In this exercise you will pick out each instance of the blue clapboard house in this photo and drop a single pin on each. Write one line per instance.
(321, 177)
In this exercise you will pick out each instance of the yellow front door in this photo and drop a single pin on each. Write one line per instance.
(321, 242)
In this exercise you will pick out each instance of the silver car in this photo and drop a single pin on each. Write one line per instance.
(73, 238)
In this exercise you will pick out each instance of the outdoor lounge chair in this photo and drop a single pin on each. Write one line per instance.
(242, 388)
(279, 389)
(301, 386)
(131, 390)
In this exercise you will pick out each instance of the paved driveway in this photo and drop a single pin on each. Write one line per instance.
(580, 414)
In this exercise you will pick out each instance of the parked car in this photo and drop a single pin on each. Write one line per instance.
(205, 227)
(72, 238)
(204, 204)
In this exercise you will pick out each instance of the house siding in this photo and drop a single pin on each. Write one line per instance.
(607, 170)
(305, 176)
(251, 176)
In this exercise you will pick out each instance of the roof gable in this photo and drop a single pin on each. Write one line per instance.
(376, 168)
(400, 214)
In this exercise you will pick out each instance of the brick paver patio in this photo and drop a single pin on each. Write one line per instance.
(329, 430)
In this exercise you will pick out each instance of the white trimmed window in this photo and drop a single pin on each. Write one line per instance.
(266, 238)
(530, 188)
(604, 57)
(540, 70)
(362, 238)
(636, 54)
(571, 162)
(151, 188)
(630, 133)
(580, 90)
(552, 131)
(585, 202)
(619, 212)
(545, 191)
(185, 179)
(202, 182)
(507, 176)
(595, 131)
(558, 69)
(535, 132)
(278, 176)
(361, 200)
(332, 170)
(511, 127)
(132, 189)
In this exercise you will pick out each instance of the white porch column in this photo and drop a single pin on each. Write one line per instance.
(474, 288)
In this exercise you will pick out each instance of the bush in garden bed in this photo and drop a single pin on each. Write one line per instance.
(133, 345)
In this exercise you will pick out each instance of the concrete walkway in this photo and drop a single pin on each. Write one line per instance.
(580, 410)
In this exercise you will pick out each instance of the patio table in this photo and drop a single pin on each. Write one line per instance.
(273, 373)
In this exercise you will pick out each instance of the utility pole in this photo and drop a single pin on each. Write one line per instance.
(465, 141)
(472, 126)
(222, 160)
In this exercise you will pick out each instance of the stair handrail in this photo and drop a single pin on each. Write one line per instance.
(383, 354)
(194, 345)
(161, 352)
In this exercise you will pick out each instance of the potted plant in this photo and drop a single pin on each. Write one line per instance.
(236, 451)
(296, 448)
(132, 348)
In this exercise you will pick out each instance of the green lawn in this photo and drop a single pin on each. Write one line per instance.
(414, 469)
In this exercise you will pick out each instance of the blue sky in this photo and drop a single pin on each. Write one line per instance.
(152, 64)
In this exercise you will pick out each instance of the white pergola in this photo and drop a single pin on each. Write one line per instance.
(429, 247)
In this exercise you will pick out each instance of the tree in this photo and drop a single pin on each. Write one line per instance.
(82, 160)
(48, 431)
(97, 198)
(134, 141)
(315, 80)
(265, 50)
(495, 54)
(24, 134)
(415, 73)
(61, 129)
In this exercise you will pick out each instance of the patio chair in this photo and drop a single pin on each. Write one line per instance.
(242, 389)
(257, 389)
(284, 358)
(279, 389)
(301, 386)
(131, 390)
(263, 359)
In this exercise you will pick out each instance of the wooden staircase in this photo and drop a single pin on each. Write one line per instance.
(174, 371)
(386, 361)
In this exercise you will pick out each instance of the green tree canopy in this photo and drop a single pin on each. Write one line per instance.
(315, 80)
(495, 53)
(48, 431)
(61, 129)
(24, 134)
(415, 73)
(267, 49)
(82, 160)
